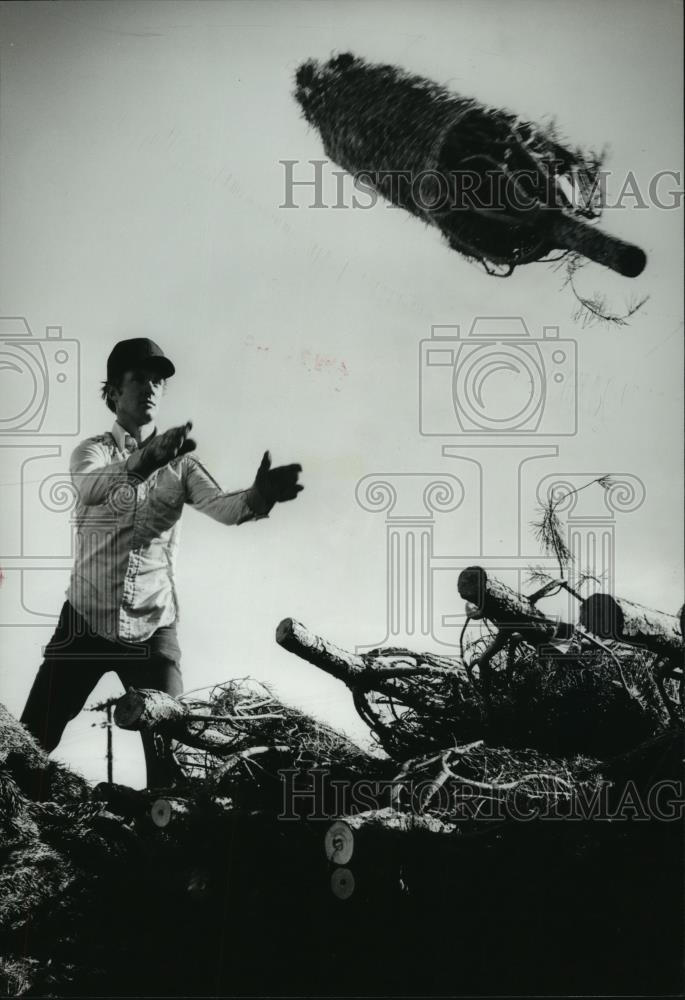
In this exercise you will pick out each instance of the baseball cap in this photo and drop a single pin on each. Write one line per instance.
(136, 353)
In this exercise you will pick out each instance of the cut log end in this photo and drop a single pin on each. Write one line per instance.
(339, 843)
(285, 631)
(602, 615)
(342, 883)
(165, 811)
(129, 709)
(160, 813)
(472, 584)
(146, 708)
(632, 262)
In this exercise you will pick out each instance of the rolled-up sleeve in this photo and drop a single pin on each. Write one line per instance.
(94, 474)
(204, 494)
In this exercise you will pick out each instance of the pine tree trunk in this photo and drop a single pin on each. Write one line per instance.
(146, 708)
(369, 670)
(506, 609)
(616, 618)
(295, 638)
(395, 821)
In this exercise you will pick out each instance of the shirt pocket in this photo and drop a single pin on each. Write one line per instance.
(165, 500)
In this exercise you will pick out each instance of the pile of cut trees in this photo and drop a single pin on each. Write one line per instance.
(268, 813)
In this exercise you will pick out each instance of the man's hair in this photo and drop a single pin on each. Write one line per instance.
(106, 392)
(108, 385)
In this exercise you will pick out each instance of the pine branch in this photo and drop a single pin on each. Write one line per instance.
(548, 528)
(595, 309)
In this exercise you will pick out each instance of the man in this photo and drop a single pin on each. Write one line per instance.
(121, 607)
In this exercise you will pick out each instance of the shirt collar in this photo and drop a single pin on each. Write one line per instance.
(120, 435)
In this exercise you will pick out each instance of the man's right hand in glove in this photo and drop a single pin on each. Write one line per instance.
(273, 485)
(161, 449)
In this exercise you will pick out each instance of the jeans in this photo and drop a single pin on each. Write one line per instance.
(75, 660)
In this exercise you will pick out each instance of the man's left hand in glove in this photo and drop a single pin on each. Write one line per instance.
(273, 486)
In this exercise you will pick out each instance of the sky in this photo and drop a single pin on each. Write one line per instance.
(141, 149)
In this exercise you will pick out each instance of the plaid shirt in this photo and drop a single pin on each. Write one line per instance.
(127, 534)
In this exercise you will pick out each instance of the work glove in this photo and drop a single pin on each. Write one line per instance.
(273, 485)
(162, 449)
